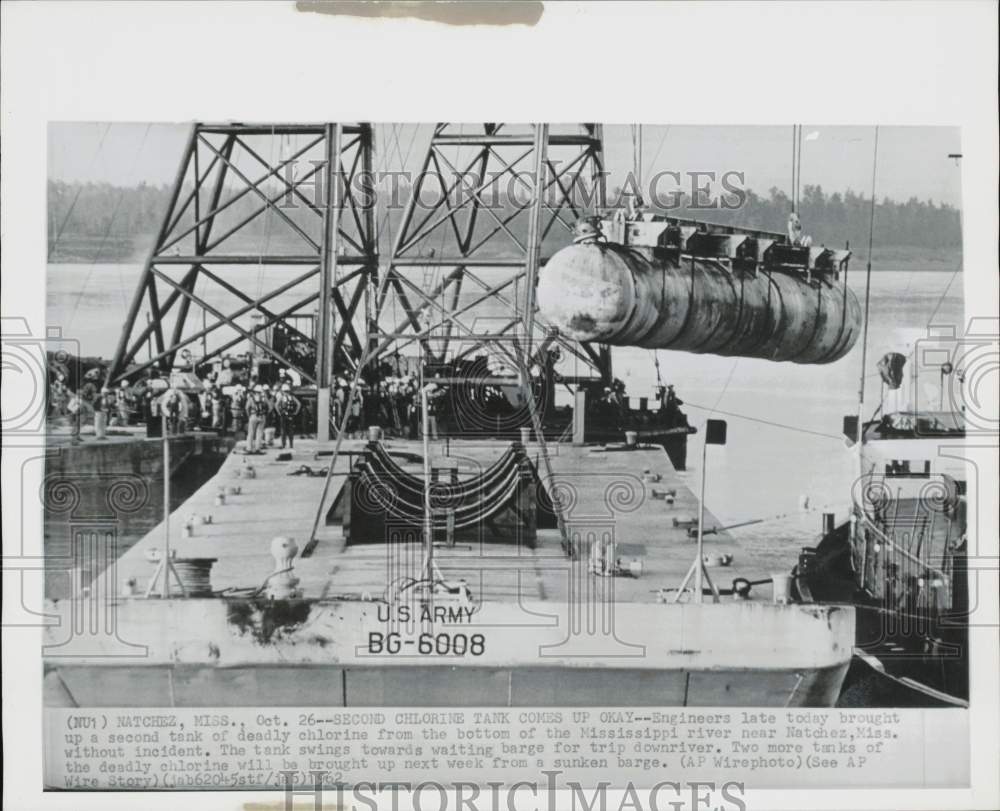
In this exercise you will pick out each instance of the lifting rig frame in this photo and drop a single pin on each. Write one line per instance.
(327, 250)
(460, 242)
(470, 249)
(333, 262)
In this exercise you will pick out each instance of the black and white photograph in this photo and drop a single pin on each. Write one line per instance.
(375, 455)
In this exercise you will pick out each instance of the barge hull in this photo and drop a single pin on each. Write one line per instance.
(214, 652)
(436, 686)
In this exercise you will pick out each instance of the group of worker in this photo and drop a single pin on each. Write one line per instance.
(252, 407)
(394, 403)
(612, 405)
(109, 407)
(226, 404)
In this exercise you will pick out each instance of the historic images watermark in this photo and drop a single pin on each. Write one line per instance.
(549, 793)
(666, 190)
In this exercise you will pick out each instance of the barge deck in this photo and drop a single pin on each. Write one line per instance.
(541, 628)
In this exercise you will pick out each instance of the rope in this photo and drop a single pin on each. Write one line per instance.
(268, 214)
(76, 197)
(940, 301)
(714, 410)
(341, 433)
(366, 357)
(910, 352)
(403, 160)
(729, 380)
(663, 140)
(107, 233)
(549, 472)
(195, 574)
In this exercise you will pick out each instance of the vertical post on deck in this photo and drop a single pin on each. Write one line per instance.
(428, 572)
(700, 553)
(327, 271)
(715, 434)
(579, 416)
(165, 589)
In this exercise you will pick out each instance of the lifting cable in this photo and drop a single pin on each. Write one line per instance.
(786, 426)
(392, 136)
(268, 213)
(663, 140)
(107, 232)
(79, 191)
(552, 489)
(798, 173)
(868, 286)
(637, 156)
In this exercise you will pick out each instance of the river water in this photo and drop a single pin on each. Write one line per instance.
(785, 445)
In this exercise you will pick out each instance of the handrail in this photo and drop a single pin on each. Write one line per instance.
(909, 556)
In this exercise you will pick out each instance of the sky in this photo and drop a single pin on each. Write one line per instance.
(912, 161)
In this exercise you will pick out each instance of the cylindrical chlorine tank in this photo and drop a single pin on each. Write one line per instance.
(607, 293)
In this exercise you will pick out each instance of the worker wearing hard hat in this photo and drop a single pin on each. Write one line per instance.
(58, 395)
(174, 406)
(237, 407)
(218, 404)
(288, 407)
(74, 406)
(257, 409)
(123, 403)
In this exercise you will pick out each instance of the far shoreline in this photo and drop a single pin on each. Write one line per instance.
(888, 259)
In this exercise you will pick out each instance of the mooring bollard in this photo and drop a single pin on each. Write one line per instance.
(283, 584)
(782, 586)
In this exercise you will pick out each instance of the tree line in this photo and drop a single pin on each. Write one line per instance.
(111, 216)
(835, 218)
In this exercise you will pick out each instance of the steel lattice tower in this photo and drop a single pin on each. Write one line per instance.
(464, 259)
(273, 249)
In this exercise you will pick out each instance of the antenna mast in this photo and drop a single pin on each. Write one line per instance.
(868, 286)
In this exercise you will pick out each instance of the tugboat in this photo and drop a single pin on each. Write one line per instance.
(900, 558)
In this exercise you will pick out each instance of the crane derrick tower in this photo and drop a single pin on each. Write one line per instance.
(262, 247)
(264, 250)
(473, 233)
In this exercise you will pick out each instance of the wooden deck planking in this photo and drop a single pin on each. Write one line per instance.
(604, 492)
